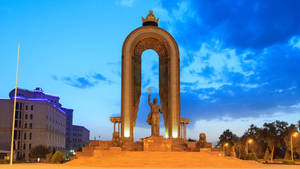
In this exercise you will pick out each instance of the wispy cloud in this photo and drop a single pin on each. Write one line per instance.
(127, 3)
(79, 82)
(83, 82)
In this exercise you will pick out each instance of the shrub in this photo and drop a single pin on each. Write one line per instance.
(39, 151)
(288, 162)
(58, 157)
(250, 156)
(4, 161)
(48, 157)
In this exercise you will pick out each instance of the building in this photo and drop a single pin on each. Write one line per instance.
(39, 119)
(80, 137)
(69, 123)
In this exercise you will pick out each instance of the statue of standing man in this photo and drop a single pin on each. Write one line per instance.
(153, 117)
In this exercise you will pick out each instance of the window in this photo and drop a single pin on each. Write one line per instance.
(31, 108)
(19, 135)
(24, 146)
(26, 107)
(21, 106)
(18, 145)
(16, 124)
(17, 105)
(29, 146)
(25, 125)
(26, 116)
(15, 134)
(30, 125)
(30, 136)
(31, 117)
(20, 124)
(24, 136)
(20, 114)
(16, 115)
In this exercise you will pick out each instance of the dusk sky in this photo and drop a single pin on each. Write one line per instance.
(239, 60)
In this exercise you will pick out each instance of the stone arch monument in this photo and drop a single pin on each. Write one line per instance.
(150, 36)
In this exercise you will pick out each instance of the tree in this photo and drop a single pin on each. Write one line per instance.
(58, 157)
(228, 137)
(287, 140)
(273, 134)
(257, 147)
(39, 151)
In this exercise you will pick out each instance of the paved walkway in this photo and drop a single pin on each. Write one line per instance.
(63, 166)
(164, 160)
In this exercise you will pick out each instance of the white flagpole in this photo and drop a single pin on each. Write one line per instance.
(14, 112)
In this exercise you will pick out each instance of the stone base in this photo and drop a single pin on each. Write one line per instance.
(132, 146)
(157, 143)
(179, 145)
(205, 149)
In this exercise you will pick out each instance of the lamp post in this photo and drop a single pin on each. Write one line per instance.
(294, 134)
(249, 141)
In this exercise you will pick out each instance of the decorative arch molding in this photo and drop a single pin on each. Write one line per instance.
(139, 40)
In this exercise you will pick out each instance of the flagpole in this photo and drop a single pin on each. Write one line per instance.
(14, 112)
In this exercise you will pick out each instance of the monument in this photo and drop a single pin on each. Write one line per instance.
(150, 36)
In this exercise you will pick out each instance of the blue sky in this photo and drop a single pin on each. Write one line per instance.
(239, 59)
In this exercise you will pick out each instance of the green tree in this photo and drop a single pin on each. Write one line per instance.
(58, 157)
(228, 137)
(39, 151)
(287, 140)
(273, 134)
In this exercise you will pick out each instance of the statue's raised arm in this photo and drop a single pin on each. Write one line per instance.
(149, 100)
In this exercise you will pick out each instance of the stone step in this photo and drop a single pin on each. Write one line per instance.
(84, 154)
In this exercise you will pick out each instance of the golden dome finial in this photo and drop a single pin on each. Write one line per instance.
(150, 19)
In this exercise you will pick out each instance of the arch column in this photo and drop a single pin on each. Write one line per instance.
(143, 38)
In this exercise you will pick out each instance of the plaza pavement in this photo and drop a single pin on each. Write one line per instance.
(63, 166)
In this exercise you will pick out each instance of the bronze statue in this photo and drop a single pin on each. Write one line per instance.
(154, 117)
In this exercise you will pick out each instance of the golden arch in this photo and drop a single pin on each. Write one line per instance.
(139, 40)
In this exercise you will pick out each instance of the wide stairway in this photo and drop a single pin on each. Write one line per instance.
(114, 157)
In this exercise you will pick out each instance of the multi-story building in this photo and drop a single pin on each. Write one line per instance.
(39, 119)
(69, 123)
(80, 137)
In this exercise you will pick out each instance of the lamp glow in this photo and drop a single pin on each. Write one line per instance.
(174, 134)
(127, 132)
(295, 134)
(250, 141)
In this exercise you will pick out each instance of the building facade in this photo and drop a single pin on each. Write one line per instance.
(39, 120)
(69, 123)
(80, 137)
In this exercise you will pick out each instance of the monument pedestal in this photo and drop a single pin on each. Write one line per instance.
(157, 143)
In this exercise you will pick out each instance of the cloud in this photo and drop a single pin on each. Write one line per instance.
(242, 24)
(295, 42)
(99, 76)
(83, 82)
(236, 125)
(127, 3)
(213, 67)
(79, 82)
(238, 58)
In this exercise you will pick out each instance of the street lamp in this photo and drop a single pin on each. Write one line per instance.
(249, 141)
(294, 134)
(224, 148)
